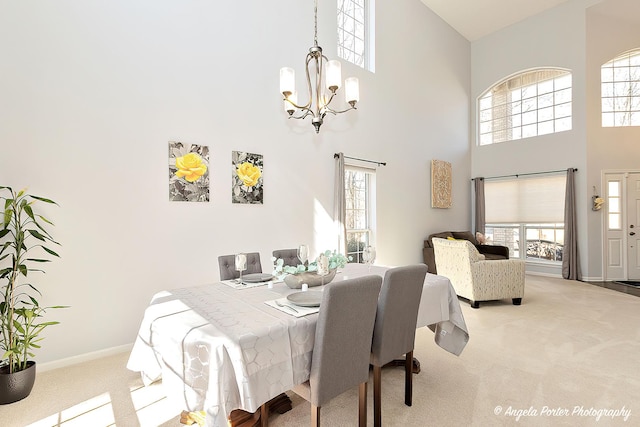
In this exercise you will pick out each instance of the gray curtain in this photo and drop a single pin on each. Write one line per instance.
(570, 256)
(479, 217)
(339, 211)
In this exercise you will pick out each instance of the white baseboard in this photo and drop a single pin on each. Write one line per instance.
(539, 273)
(63, 363)
(593, 279)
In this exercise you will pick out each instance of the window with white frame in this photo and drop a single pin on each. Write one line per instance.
(621, 90)
(526, 214)
(529, 104)
(354, 37)
(614, 205)
(359, 186)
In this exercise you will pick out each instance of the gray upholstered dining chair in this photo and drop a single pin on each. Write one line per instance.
(342, 346)
(289, 256)
(395, 328)
(228, 270)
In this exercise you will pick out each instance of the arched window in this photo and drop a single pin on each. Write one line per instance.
(532, 103)
(621, 90)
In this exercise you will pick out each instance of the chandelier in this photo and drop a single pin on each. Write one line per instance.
(317, 65)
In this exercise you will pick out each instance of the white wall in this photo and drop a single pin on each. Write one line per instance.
(563, 37)
(91, 92)
(613, 28)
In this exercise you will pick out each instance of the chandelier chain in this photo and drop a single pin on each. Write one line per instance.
(315, 23)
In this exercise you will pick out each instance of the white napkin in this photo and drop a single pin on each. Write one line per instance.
(292, 309)
(244, 285)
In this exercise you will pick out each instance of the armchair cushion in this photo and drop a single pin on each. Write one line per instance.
(491, 252)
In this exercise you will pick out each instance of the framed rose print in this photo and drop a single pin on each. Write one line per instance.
(188, 172)
(246, 178)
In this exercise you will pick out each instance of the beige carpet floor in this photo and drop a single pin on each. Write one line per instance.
(568, 356)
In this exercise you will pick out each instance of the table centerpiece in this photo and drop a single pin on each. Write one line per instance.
(316, 273)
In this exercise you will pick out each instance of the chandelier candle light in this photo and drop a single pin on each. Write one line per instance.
(318, 105)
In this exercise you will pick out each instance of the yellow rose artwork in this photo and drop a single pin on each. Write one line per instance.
(191, 167)
(247, 178)
(248, 174)
(188, 172)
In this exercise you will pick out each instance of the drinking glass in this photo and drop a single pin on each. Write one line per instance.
(241, 264)
(303, 254)
(369, 256)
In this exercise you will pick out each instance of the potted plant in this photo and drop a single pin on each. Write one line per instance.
(22, 247)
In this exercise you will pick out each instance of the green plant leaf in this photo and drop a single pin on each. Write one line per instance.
(37, 235)
(45, 219)
(51, 252)
(43, 199)
(7, 217)
(29, 211)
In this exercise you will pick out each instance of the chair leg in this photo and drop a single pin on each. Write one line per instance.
(377, 396)
(474, 304)
(517, 301)
(408, 378)
(264, 415)
(315, 416)
(362, 405)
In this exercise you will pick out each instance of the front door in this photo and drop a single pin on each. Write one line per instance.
(633, 226)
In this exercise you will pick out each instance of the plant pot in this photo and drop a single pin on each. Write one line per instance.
(18, 385)
(295, 281)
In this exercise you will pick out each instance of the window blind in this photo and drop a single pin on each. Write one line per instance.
(536, 199)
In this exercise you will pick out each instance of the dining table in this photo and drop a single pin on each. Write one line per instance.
(227, 348)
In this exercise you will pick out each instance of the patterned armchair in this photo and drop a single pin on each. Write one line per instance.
(475, 278)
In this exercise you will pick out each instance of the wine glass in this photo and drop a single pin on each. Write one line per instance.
(303, 254)
(369, 255)
(241, 264)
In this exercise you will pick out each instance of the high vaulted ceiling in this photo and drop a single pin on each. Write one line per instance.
(477, 18)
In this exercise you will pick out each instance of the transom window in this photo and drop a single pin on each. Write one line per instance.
(528, 104)
(353, 32)
(621, 90)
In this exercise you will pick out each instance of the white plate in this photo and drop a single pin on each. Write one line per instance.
(306, 299)
(256, 277)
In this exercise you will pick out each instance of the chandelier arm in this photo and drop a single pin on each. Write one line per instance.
(335, 112)
(301, 107)
(307, 112)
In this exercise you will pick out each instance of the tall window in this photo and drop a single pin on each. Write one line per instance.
(614, 205)
(527, 215)
(360, 209)
(529, 104)
(621, 90)
(354, 38)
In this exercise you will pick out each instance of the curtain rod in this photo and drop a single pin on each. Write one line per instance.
(524, 174)
(362, 160)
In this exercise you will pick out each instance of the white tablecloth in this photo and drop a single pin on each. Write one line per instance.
(218, 349)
